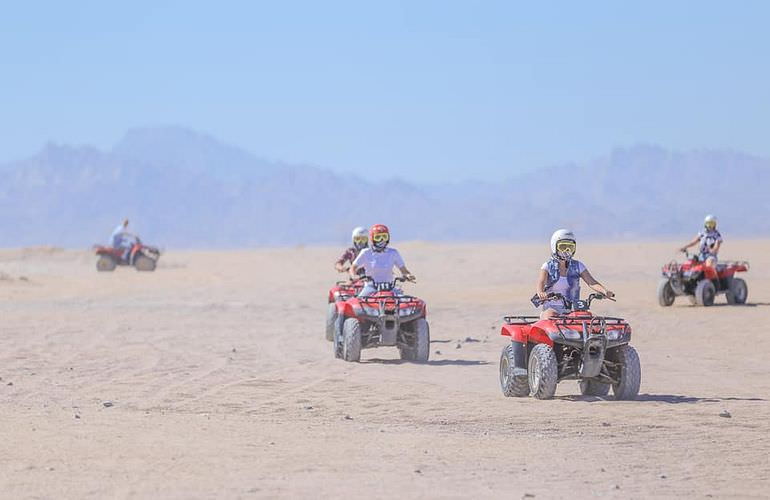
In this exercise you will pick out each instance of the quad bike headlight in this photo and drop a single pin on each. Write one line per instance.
(566, 334)
(407, 311)
(370, 310)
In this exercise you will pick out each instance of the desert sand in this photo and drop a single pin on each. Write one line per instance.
(211, 378)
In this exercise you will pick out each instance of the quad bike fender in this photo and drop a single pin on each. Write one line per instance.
(527, 333)
(710, 273)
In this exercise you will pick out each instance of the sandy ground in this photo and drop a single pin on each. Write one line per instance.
(221, 384)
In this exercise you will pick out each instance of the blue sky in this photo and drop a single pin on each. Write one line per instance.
(424, 90)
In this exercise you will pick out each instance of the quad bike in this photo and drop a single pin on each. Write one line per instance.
(340, 292)
(142, 257)
(384, 318)
(701, 283)
(594, 350)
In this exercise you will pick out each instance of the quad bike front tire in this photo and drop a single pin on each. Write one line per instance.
(420, 350)
(593, 388)
(738, 291)
(666, 294)
(542, 371)
(351, 340)
(144, 263)
(629, 373)
(331, 319)
(705, 293)
(511, 385)
(105, 263)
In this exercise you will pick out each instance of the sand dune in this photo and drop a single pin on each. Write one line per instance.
(218, 383)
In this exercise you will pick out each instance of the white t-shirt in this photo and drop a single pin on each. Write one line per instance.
(561, 286)
(379, 265)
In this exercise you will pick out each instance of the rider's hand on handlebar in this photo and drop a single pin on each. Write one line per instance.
(410, 277)
(542, 295)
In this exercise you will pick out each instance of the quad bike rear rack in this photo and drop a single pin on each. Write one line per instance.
(521, 320)
(400, 299)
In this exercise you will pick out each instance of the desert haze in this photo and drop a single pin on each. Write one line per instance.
(211, 378)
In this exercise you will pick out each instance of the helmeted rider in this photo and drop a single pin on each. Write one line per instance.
(562, 274)
(379, 260)
(360, 239)
(123, 239)
(710, 241)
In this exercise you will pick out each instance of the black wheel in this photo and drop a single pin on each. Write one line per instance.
(593, 388)
(351, 340)
(512, 384)
(420, 351)
(105, 263)
(628, 372)
(542, 371)
(331, 318)
(738, 291)
(666, 294)
(144, 263)
(705, 293)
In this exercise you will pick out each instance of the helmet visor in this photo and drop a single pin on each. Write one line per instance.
(360, 240)
(380, 237)
(566, 247)
(711, 224)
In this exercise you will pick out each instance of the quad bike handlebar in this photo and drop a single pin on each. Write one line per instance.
(578, 305)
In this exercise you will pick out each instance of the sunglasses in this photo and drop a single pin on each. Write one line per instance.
(566, 246)
(380, 237)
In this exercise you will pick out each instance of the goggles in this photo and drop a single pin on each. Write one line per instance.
(361, 240)
(566, 246)
(380, 237)
(710, 225)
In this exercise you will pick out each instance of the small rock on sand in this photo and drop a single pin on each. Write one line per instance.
(725, 414)
(108, 404)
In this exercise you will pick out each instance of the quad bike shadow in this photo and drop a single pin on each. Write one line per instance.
(659, 398)
(432, 362)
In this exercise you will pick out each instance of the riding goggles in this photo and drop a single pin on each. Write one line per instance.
(566, 246)
(380, 237)
(710, 225)
(361, 240)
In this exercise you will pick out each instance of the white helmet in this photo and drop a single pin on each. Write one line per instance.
(710, 222)
(360, 238)
(566, 250)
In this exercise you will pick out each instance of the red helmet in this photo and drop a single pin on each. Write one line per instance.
(379, 236)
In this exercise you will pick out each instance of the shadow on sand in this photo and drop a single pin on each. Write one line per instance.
(722, 304)
(431, 362)
(659, 398)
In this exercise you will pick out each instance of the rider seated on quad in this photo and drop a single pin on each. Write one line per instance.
(561, 274)
(122, 239)
(378, 261)
(710, 241)
(360, 239)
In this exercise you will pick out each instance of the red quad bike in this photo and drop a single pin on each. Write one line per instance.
(700, 283)
(382, 319)
(142, 257)
(340, 292)
(580, 346)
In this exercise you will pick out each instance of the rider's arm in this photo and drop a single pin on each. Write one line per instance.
(595, 285)
(692, 243)
(541, 281)
(716, 246)
(406, 274)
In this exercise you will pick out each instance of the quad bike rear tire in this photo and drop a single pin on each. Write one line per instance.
(542, 371)
(738, 291)
(420, 351)
(144, 263)
(666, 294)
(351, 340)
(331, 319)
(511, 385)
(629, 374)
(105, 263)
(593, 388)
(705, 293)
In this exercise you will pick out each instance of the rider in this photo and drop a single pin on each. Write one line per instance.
(360, 239)
(561, 274)
(122, 239)
(710, 241)
(378, 260)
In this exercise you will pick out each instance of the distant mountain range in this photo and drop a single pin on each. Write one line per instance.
(185, 189)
